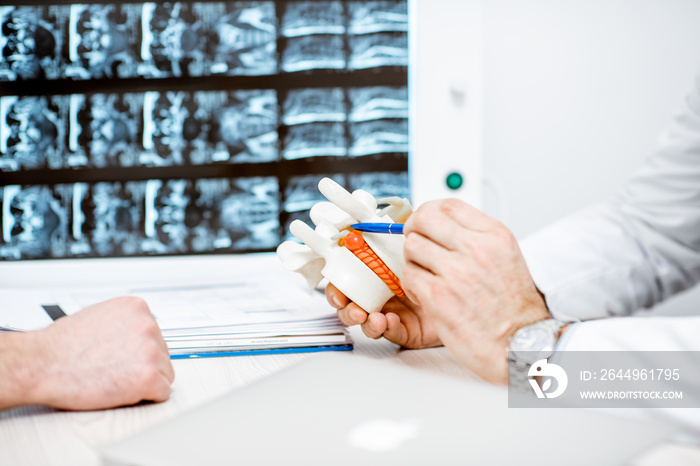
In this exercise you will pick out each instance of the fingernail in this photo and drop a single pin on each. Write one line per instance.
(336, 303)
(356, 316)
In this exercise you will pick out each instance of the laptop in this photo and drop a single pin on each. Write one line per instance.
(349, 409)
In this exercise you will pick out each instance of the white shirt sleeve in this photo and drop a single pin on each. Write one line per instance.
(635, 250)
(647, 334)
(630, 253)
(634, 334)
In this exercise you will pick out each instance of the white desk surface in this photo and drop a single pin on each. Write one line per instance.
(38, 435)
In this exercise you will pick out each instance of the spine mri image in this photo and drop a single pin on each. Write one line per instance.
(135, 129)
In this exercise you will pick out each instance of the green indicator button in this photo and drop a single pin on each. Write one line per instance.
(454, 180)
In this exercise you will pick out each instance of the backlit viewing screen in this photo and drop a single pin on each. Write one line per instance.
(192, 127)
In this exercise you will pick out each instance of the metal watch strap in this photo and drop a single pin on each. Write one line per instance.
(518, 369)
(517, 374)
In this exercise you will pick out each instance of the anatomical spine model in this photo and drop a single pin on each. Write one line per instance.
(366, 267)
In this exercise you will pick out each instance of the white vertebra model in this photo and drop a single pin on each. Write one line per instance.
(323, 255)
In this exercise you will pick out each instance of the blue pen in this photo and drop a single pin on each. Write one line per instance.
(391, 228)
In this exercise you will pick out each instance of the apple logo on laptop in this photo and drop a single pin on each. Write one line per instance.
(379, 435)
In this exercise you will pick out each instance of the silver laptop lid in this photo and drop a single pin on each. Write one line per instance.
(347, 409)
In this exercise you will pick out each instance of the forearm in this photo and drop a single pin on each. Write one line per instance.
(20, 356)
(604, 262)
(588, 266)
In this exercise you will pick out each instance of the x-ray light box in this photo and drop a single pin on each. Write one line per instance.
(202, 127)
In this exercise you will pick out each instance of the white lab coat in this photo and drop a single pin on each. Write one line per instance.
(633, 251)
(605, 263)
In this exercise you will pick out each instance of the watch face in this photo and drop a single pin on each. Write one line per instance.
(533, 342)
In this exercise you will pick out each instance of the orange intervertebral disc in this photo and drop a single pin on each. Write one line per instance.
(357, 244)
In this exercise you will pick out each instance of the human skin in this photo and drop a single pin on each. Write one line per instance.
(468, 286)
(107, 355)
(400, 320)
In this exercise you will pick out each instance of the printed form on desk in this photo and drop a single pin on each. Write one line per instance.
(252, 312)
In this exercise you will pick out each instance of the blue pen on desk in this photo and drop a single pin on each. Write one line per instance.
(391, 228)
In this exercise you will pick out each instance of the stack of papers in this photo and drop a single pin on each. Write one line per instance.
(202, 319)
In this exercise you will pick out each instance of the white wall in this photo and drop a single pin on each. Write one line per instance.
(577, 93)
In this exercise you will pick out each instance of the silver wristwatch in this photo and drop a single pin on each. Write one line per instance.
(528, 345)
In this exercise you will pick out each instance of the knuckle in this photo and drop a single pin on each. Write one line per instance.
(440, 292)
(428, 215)
(456, 270)
(154, 380)
(151, 354)
(164, 392)
(426, 206)
(369, 331)
(504, 235)
(148, 328)
(148, 376)
(422, 216)
(412, 223)
(451, 205)
(158, 392)
(344, 318)
(411, 244)
(135, 303)
(409, 274)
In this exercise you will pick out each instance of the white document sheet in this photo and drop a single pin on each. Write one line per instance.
(197, 306)
(198, 298)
